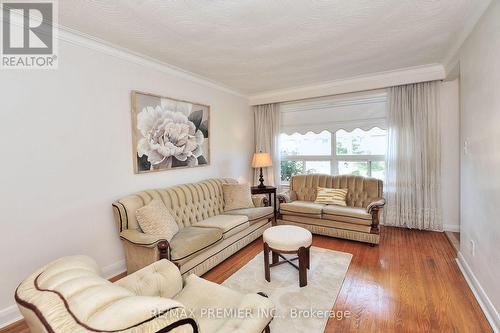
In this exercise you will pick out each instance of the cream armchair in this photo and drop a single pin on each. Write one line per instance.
(69, 296)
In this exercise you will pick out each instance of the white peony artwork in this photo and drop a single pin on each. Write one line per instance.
(169, 133)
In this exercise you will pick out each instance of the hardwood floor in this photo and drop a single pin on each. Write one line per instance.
(409, 283)
(17, 327)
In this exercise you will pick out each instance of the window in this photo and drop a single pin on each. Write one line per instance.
(306, 144)
(358, 152)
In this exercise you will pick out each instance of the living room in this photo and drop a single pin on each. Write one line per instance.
(250, 166)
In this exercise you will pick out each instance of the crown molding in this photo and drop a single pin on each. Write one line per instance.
(358, 83)
(371, 81)
(78, 38)
(354, 84)
(452, 59)
(331, 102)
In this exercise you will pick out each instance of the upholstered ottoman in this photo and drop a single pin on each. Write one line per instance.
(287, 239)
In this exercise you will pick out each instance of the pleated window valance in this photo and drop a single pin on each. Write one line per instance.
(363, 111)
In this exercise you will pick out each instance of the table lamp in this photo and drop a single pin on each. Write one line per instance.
(261, 160)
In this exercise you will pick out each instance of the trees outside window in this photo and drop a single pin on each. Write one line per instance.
(358, 152)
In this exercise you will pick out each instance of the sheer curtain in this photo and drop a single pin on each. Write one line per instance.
(267, 131)
(413, 157)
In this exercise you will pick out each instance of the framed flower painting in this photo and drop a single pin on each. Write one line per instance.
(169, 133)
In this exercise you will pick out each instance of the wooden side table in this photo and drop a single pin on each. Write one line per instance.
(270, 191)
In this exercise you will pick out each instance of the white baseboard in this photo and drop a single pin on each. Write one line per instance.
(11, 313)
(114, 269)
(488, 308)
(451, 227)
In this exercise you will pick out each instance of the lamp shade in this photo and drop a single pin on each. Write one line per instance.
(261, 160)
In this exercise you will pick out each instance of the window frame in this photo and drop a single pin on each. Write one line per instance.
(333, 158)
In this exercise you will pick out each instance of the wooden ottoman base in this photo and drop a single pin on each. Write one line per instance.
(303, 256)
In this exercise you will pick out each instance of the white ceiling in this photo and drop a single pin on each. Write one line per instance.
(255, 46)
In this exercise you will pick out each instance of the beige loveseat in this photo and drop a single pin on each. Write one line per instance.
(207, 234)
(69, 296)
(358, 221)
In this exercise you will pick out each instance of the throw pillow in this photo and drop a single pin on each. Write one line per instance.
(331, 196)
(156, 219)
(237, 196)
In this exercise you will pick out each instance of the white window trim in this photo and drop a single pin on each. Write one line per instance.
(334, 158)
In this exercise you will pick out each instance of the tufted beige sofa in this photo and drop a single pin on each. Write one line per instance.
(358, 221)
(207, 234)
(69, 296)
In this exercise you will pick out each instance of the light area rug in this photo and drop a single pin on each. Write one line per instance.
(297, 309)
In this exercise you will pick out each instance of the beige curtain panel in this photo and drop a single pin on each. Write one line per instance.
(267, 131)
(413, 157)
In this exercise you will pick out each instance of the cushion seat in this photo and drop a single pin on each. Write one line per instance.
(302, 208)
(347, 214)
(253, 214)
(287, 238)
(229, 224)
(190, 240)
(202, 294)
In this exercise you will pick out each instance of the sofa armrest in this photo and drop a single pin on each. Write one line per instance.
(373, 208)
(254, 311)
(287, 196)
(145, 314)
(283, 198)
(375, 205)
(259, 313)
(259, 200)
(161, 278)
(139, 238)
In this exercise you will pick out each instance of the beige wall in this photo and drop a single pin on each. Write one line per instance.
(66, 155)
(480, 162)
